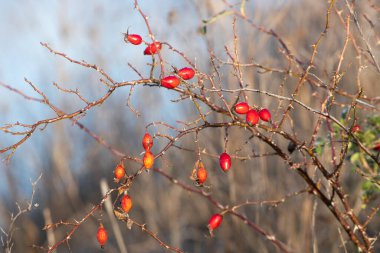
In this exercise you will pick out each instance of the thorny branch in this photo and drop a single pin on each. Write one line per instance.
(7, 234)
(209, 93)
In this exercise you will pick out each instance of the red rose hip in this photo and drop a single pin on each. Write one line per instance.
(148, 160)
(265, 115)
(170, 82)
(225, 161)
(147, 141)
(252, 117)
(241, 108)
(152, 48)
(355, 129)
(186, 73)
(126, 203)
(215, 221)
(201, 175)
(134, 39)
(119, 172)
(102, 236)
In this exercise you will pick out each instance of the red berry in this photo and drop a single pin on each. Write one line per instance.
(225, 161)
(215, 221)
(252, 117)
(186, 73)
(241, 108)
(170, 82)
(135, 39)
(264, 115)
(147, 141)
(152, 48)
(148, 159)
(377, 147)
(102, 236)
(119, 172)
(355, 129)
(126, 203)
(201, 175)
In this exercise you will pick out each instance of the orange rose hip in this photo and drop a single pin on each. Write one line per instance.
(148, 160)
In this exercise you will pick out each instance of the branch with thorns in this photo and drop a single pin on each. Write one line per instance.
(208, 93)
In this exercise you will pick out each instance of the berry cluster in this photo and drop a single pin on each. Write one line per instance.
(147, 143)
(126, 201)
(171, 81)
(200, 173)
(119, 173)
(252, 116)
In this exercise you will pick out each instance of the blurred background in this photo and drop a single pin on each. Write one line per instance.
(72, 164)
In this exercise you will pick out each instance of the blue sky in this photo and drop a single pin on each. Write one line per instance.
(90, 30)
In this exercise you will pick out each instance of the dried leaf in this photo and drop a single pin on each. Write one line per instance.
(119, 215)
(129, 224)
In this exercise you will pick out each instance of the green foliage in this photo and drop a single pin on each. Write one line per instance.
(319, 146)
(371, 190)
(362, 162)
